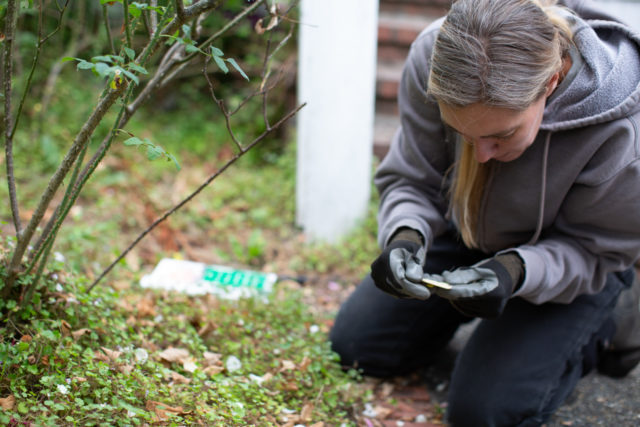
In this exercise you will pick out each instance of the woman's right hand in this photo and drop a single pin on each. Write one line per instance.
(398, 270)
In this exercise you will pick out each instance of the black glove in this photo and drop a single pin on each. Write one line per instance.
(398, 270)
(483, 289)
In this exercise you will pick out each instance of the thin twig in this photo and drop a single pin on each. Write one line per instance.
(36, 57)
(194, 193)
(107, 26)
(10, 29)
(223, 108)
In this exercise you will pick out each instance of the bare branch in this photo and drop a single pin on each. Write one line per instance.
(186, 200)
(153, 17)
(223, 108)
(107, 26)
(180, 10)
(10, 32)
(127, 26)
(81, 139)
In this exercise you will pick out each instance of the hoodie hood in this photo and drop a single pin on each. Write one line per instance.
(603, 83)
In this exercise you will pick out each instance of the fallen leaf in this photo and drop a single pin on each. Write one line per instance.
(287, 365)
(111, 354)
(178, 378)
(65, 328)
(211, 358)
(172, 354)
(162, 411)
(306, 361)
(146, 308)
(206, 329)
(26, 338)
(125, 369)
(213, 370)
(7, 403)
(307, 411)
(80, 332)
(189, 364)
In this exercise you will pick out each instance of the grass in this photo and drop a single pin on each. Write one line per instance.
(109, 357)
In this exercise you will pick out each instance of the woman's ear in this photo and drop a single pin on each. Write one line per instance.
(553, 84)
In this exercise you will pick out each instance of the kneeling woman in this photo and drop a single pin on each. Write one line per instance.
(515, 178)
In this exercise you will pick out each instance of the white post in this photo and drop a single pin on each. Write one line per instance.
(336, 78)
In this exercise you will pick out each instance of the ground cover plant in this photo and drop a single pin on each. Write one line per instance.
(81, 344)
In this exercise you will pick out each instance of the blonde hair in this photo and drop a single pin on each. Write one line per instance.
(500, 53)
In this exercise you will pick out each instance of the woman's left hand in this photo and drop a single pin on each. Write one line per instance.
(481, 290)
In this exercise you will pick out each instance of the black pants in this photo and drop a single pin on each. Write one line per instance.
(514, 371)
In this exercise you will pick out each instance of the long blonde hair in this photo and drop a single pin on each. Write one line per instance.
(500, 53)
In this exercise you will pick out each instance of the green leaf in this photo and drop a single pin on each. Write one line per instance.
(110, 1)
(237, 67)
(129, 74)
(103, 58)
(102, 69)
(85, 65)
(133, 141)
(139, 69)
(70, 58)
(186, 30)
(216, 52)
(130, 52)
(221, 64)
(154, 152)
(171, 157)
(134, 11)
(192, 49)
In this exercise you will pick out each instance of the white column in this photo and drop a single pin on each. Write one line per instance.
(336, 78)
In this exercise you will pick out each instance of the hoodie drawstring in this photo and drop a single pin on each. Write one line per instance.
(543, 191)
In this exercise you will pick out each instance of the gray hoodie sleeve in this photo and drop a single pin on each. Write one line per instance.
(410, 177)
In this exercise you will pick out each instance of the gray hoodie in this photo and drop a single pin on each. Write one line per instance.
(570, 205)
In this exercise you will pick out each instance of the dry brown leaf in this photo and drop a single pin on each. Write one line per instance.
(162, 410)
(290, 386)
(65, 328)
(178, 378)
(26, 338)
(173, 354)
(213, 370)
(206, 329)
(211, 358)
(382, 411)
(146, 308)
(307, 411)
(287, 365)
(80, 332)
(100, 356)
(7, 403)
(111, 354)
(189, 364)
(125, 369)
(306, 361)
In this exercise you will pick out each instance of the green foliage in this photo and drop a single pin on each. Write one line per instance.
(88, 359)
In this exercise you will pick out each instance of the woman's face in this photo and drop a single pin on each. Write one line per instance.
(495, 133)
